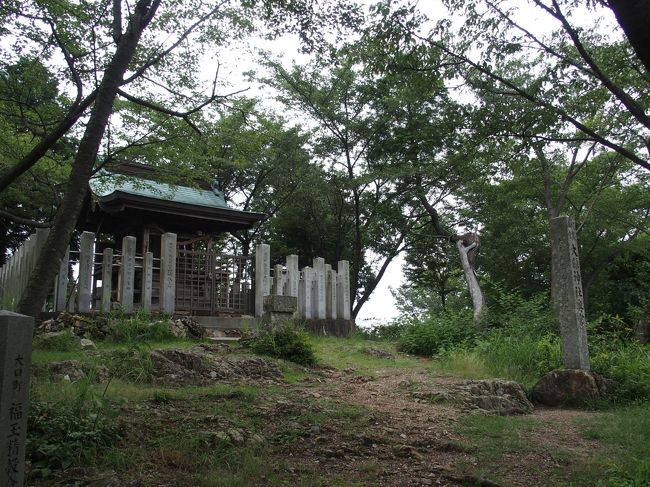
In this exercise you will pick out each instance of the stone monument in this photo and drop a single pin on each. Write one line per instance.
(15, 361)
(567, 293)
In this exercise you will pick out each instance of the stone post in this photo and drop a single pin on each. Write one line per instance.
(61, 283)
(305, 294)
(86, 267)
(107, 279)
(168, 273)
(278, 280)
(293, 276)
(331, 294)
(147, 281)
(127, 274)
(567, 293)
(343, 290)
(319, 289)
(262, 276)
(15, 363)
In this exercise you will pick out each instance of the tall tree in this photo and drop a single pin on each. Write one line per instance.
(84, 35)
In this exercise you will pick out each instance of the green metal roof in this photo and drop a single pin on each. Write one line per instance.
(105, 184)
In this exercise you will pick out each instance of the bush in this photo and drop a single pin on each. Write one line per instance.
(437, 334)
(629, 364)
(285, 341)
(69, 432)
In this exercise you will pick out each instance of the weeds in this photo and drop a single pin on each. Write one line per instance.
(69, 432)
(285, 341)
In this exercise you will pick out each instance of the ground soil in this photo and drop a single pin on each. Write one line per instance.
(348, 427)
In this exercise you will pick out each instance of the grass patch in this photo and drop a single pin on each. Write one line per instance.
(626, 433)
(462, 363)
(344, 353)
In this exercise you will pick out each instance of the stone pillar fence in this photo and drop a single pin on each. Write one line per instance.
(84, 294)
(322, 292)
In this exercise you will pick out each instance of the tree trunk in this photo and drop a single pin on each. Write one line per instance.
(66, 217)
(478, 301)
(643, 326)
(634, 17)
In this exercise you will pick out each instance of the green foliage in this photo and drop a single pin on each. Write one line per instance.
(285, 341)
(69, 432)
(132, 365)
(520, 357)
(390, 331)
(436, 334)
(521, 315)
(64, 342)
(138, 327)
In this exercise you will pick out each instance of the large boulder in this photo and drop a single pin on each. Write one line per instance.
(571, 386)
(493, 396)
(496, 396)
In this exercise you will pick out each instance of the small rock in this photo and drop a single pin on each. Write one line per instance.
(256, 439)
(315, 429)
(177, 328)
(86, 343)
(213, 375)
(377, 352)
(236, 436)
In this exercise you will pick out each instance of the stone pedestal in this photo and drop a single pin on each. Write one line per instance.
(279, 308)
(15, 363)
(567, 293)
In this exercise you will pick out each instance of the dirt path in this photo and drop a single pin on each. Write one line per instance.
(406, 441)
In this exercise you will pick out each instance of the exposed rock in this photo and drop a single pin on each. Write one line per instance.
(86, 343)
(605, 385)
(377, 352)
(567, 386)
(495, 396)
(206, 362)
(236, 436)
(498, 396)
(71, 370)
(192, 327)
(177, 328)
(51, 340)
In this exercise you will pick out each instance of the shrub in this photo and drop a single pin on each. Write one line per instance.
(629, 364)
(69, 432)
(286, 341)
(437, 334)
